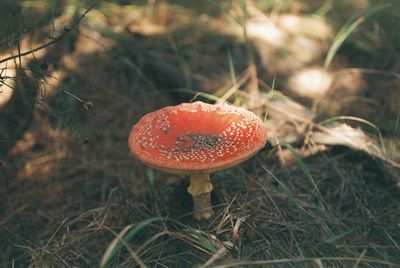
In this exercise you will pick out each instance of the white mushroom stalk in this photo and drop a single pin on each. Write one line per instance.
(200, 188)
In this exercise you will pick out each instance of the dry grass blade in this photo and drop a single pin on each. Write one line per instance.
(359, 259)
(217, 255)
(317, 263)
(302, 260)
(235, 87)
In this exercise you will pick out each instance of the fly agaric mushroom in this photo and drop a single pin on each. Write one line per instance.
(197, 139)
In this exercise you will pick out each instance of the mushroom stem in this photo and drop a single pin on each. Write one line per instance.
(200, 188)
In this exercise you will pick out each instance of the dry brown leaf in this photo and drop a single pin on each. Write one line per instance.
(346, 135)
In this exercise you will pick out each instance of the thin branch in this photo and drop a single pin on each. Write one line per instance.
(55, 40)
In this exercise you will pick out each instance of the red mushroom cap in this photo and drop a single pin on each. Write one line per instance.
(197, 137)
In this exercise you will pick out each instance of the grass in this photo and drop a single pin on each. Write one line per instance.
(271, 217)
(347, 29)
(71, 195)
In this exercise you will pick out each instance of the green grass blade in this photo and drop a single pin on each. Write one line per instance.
(198, 234)
(126, 234)
(231, 67)
(291, 197)
(336, 237)
(396, 125)
(131, 230)
(139, 72)
(307, 173)
(202, 239)
(347, 29)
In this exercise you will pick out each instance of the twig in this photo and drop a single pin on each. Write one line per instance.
(55, 40)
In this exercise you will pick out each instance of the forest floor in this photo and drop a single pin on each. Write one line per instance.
(323, 75)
